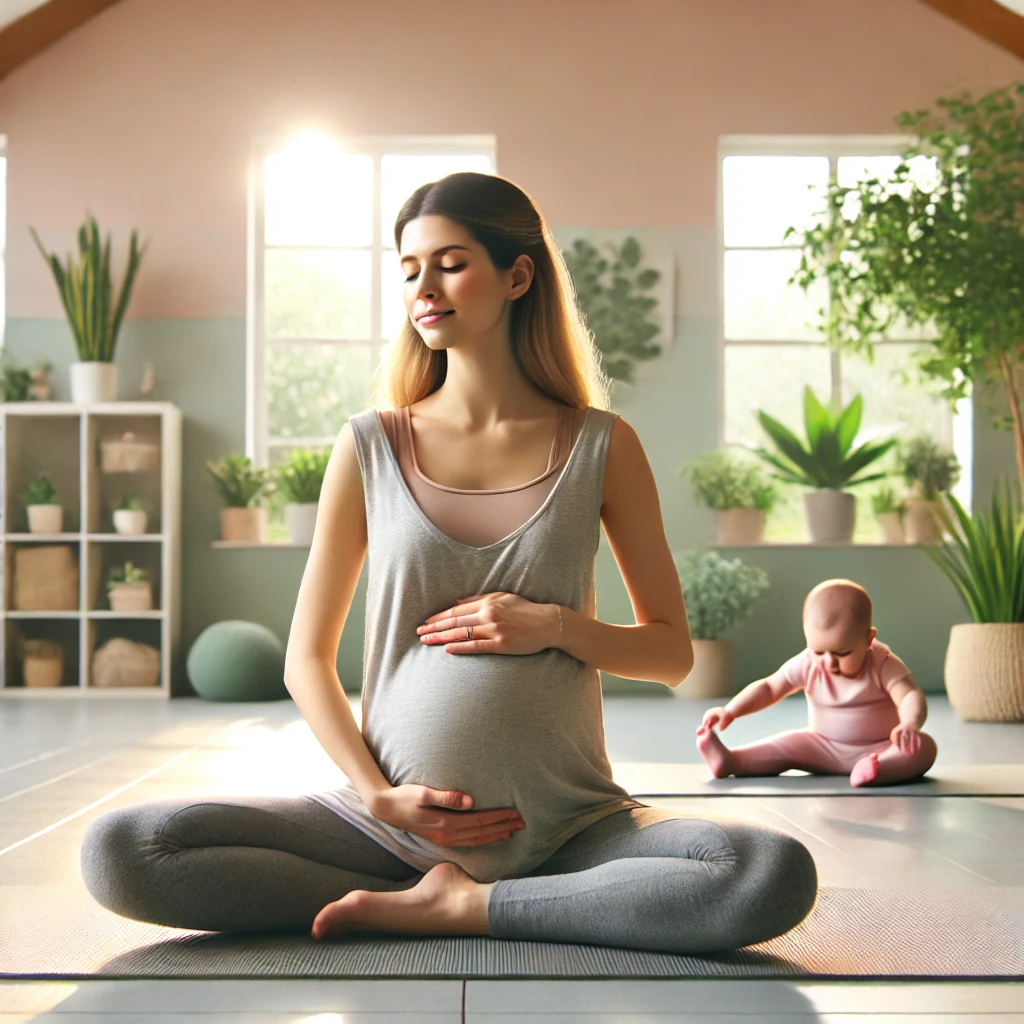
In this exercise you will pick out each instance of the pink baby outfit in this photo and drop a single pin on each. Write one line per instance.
(845, 709)
(475, 517)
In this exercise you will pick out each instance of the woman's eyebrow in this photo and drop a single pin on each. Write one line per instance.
(437, 252)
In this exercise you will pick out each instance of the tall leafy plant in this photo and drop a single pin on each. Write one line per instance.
(94, 312)
(984, 558)
(828, 459)
(941, 244)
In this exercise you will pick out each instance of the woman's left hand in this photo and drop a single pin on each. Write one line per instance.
(501, 623)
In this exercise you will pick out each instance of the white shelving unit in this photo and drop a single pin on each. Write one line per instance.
(63, 440)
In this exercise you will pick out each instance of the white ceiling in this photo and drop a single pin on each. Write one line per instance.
(12, 10)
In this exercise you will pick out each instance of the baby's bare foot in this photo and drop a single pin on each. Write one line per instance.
(715, 752)
(865, 770)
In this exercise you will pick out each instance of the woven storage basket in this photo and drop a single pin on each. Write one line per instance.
(121, 662)
(129, 454)
(43, 663)
(45, 579)
(985, 671)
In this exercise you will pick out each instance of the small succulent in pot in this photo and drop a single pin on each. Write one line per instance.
(930, 471)
(45, 514)
(130, 515)
(128, 588)
(299, 481)
(889, 509)
(736, 489)
(242, 487)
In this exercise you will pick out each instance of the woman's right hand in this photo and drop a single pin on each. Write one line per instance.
(716, 716)
(428, 813)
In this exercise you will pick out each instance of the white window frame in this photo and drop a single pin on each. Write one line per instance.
(257, 441)
(833, 147)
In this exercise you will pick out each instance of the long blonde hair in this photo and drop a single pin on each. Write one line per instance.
(549, 338)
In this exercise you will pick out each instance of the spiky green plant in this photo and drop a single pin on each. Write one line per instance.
(828, 460)
(984, 558)
(301, 478)
(238, 482)
(86, 290)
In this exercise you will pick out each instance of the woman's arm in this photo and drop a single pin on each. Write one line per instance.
(335, 561)
(658, 647)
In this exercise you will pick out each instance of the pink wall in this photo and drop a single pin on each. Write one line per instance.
(607, 112)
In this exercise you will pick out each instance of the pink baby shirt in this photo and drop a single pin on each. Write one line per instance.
(849, 710)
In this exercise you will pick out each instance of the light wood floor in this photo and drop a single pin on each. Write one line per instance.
(64, 762)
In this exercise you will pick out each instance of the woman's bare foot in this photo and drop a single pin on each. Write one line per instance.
(865, 771)
(715, 752)
(445, 901)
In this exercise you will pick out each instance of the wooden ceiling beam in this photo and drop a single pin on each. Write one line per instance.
(22, 39)
(987, 18)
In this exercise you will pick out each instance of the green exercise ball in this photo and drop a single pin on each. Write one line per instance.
(236, 660)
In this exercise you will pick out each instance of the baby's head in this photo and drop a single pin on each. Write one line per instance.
(837, 625)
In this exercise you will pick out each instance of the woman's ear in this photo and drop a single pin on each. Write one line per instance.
(522, 276)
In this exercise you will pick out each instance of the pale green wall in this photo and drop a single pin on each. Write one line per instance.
(200, 366)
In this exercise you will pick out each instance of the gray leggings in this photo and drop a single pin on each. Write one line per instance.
(642, 878)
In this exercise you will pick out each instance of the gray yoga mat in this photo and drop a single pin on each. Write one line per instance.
(654, 779)
(58, 932)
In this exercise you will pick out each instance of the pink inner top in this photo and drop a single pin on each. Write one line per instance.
(473, 517)
(849, 710)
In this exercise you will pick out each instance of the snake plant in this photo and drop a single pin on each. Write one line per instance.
(86, 290)
(828, 460)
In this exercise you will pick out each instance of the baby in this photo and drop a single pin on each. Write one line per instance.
(864, 710)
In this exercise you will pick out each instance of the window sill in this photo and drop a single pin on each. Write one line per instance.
(275, 544)
(819, 544)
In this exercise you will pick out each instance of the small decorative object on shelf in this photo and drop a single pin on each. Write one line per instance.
(121, 662)
(45, 578)
(44, 514)
(241, 486)
(129, 454)
(18, 384)
(42, 662)
(889, 511)
(299, 481)
(130, 516)
(128, 589)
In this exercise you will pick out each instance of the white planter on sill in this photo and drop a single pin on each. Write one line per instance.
(93, 381)
(739, 526)
(892, 527)
(922, 524)
(45, 518)
(712, 674)
(831, 515)
(129, 521)
(300, 518)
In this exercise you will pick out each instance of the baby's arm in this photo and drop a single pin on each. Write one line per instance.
(755, 696)
(909, 701)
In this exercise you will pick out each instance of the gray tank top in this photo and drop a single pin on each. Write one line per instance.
(523, 731)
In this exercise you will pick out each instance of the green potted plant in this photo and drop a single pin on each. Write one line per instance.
(299, 481)
(930, 470)
(827, 463)
(719, 594)
(241, 486)
(128, 589)
(739, 493)
(984, 560)
(130, 515)
(45, 513)
(889, 510)
(94, 312)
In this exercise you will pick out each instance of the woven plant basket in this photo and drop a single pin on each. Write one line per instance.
(121, 662)
(43, 663)
(45, 579)
(985, 671)
(129, 454)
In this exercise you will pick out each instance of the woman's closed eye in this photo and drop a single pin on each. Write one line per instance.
(444, 270)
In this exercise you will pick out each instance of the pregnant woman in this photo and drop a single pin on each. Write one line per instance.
(480, 799)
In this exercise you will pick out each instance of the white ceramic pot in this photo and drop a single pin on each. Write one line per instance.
(45, 518)
(300, 518)
(739, 526)
(131, 597)
(985, 671)
(892, 527)
(130, 520)
(831, 515)
(922, 525)
(93, 382)
(712, 673)
(245, 524)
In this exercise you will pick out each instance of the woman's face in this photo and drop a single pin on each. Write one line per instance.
(452, 289)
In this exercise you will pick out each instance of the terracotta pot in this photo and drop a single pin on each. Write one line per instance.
(42, 671)
(831, 515)
(921, 524)
(131, 597)
(712, 673)
(246, 524)
(739, 526)
(892, 527)
(985, 671)
(45, 518)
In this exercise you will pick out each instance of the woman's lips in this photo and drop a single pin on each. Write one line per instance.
(432, 318)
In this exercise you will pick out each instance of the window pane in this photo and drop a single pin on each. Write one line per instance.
(313, 389)
(393, 314)
(317, 196)
(772, 378)
(402, 174)
(764, 195)
(317, 294)
(759, 305)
